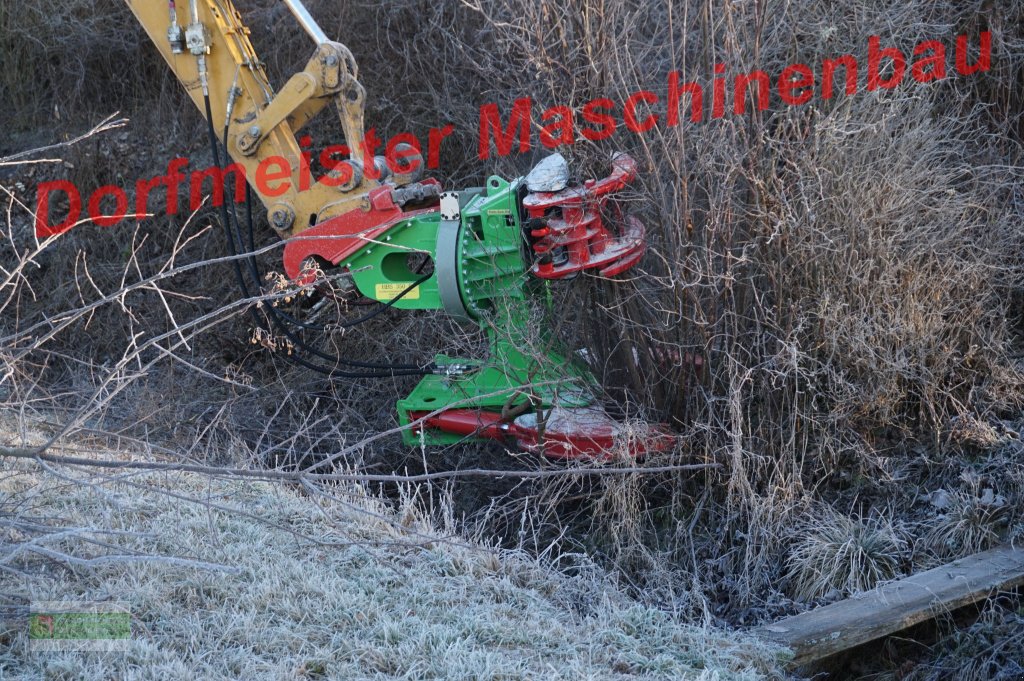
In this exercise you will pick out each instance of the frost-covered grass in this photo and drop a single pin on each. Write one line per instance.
(338, 587)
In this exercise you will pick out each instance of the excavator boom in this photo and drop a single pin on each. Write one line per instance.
(493, 249)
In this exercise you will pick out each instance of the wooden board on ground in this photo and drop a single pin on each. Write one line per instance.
(830, 629)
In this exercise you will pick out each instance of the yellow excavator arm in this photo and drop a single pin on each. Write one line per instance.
(206, 44)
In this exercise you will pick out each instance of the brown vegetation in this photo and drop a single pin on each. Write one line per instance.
(849, 271)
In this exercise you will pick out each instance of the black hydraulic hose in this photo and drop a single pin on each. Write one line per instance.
(298, 322)
(387, 371)
(384, 306)
(278, 316)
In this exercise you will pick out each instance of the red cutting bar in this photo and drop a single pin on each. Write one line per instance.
(573, 434)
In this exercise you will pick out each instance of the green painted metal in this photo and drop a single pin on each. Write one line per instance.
(526, 366)
(385, 269)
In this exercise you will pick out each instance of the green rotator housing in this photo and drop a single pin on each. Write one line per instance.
(495, 251)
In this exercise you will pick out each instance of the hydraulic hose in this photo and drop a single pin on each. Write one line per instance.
(230, 233)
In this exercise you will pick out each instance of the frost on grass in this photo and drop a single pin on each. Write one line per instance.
(339, 588)
(841, 555)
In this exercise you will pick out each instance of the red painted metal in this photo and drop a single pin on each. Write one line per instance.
(341, 236)
(567, 434)
(466, 422)
(574, 236)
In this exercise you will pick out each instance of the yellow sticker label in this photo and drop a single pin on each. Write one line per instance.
(498, 211)
(387, 292)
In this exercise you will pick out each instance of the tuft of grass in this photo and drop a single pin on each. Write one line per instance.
(845, 555)
(969, 523)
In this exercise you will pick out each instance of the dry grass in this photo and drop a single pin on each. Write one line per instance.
(989, 649)
(967, 523)
(334, 586)
(850, 273)
(840, 556)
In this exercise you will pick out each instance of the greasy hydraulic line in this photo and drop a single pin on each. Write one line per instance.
(232, 232)
(276, 314)
(381, 307)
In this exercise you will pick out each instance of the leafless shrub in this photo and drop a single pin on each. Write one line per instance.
(846, 270)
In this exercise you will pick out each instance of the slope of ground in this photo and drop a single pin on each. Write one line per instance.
(331, 586)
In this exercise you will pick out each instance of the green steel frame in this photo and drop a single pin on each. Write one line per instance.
(526, 368)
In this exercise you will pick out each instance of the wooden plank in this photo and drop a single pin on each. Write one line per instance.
(833, 628)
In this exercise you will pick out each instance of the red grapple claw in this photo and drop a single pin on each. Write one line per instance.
(573, 236)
